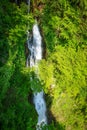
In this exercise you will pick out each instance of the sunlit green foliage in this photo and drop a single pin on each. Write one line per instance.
(70, 72)
(64, 27)
(65, 35)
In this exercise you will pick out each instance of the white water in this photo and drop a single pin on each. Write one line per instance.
(35, 55)
(40, 107)
(37, 41)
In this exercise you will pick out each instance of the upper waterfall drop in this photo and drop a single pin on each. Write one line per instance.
(37, 42)
(34, 44)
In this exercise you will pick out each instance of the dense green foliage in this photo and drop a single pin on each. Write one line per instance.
(63, 75)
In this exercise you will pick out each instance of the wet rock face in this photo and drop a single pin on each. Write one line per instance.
(26, 50)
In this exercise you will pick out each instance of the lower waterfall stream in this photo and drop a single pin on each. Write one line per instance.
(35, 55)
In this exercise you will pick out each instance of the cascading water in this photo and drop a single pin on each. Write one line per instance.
(35, 55)
(37, 42)
(34, 44)
(39, 97)
(40, 107)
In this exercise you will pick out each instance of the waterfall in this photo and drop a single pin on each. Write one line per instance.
(39, 101)
(35, 55)
(34, 44)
